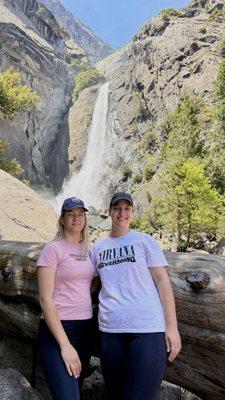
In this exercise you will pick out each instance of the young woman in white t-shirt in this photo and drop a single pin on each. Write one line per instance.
(137, 316)
(65, 274)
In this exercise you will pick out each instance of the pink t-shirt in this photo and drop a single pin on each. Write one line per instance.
(74, 274)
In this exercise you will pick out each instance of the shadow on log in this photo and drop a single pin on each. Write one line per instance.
(199, 285)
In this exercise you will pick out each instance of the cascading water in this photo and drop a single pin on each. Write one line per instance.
(85, 184)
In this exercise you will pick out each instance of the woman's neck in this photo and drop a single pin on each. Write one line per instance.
(72, 238)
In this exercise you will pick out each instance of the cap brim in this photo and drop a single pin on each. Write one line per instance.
(69, 209)
(121, 198)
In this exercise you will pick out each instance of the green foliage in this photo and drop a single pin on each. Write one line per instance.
(137, 178)
(215, 134)
(149, 142)
(141, 103)
(148, 174)
(80, 65)
(14, 96)
(217, 15)
(150, 168)
(183, 130)
(190, 160)
(220, 82)
(86, 79)
(142, 224)
(142, 111)
(188, 204)
(25, 182)
(169, 13)
(10, 166)
(221, 46)
(126, 172)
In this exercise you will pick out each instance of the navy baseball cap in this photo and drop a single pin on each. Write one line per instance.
(121, 196)
(73, 202)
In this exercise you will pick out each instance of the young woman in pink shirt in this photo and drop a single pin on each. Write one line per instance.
(65, 274)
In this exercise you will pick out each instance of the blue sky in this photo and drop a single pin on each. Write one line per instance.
(116, 21)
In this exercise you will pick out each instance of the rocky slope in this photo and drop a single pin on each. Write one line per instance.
(23, 215)
(94, 48)
(168, 57)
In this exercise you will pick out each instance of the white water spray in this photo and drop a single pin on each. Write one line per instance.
(85, 184)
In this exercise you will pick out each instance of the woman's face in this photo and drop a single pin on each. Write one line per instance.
(121, 214)
(74, 220)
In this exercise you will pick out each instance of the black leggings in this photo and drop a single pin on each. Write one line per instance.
(133, 364)
(61, 384)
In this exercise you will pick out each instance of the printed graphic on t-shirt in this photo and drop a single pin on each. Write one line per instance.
(79, 257)
(116, 256)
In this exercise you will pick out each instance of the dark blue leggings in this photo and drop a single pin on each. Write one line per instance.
(61, 384)
(133, 364)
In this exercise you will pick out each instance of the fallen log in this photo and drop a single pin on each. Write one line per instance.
(199, 286)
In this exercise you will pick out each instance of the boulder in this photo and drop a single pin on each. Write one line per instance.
(15, 387)
(24, 215)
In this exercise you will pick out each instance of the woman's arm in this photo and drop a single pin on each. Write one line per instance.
(172, 336)
(46, 281)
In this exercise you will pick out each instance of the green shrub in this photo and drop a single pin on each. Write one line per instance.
(14, 96)
(142, 224)
(149, 142)
(80, 65)
(142, 111)
(137, 178)
(148, 174)
(217, 15)
(126, 172)
(86, 79)
(169, 13)
(10, 166)
(222, 46)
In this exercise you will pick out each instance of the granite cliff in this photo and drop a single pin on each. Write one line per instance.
(33, 42)
(94, 48)
(171, 55)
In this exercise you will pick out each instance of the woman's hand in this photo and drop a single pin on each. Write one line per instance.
(71, 360)
(173, 342)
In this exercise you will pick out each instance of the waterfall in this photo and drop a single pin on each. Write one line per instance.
(86, 183)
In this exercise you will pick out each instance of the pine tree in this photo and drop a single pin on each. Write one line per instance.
(188, 204)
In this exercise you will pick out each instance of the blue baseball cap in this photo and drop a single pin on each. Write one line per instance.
(73, 202)
(121, 196)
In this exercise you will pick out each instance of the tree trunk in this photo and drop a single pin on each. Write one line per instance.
(198, 281)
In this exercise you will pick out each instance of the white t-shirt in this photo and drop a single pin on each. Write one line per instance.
(129, 300)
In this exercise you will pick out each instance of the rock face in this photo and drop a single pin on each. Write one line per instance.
(79, 123)
(94, 47)
(15, 387)
(167, 58)
(31, 41)
(23, 215)
(198, 283)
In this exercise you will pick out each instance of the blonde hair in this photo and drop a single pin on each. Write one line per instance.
(60, 234)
